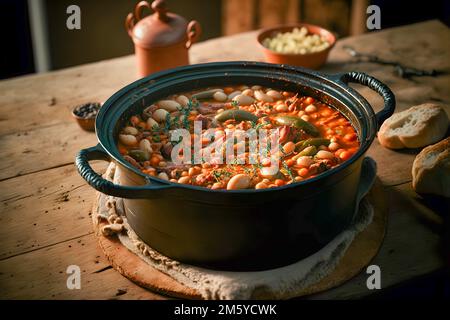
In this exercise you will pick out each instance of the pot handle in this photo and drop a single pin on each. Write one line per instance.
(107, 187)
(377, 86)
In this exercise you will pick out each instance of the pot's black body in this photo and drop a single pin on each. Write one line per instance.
(242, 229)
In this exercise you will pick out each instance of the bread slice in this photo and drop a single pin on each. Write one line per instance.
(431, 169)
(416, 127)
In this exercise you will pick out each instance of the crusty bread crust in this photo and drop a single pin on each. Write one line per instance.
(430, 125)
(431, 169)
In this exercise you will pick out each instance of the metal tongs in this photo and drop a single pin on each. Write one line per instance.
(400, 70)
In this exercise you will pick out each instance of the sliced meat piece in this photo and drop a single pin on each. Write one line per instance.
(147, 113)
(166, 150)
(210, 108)
(204, 119)
(133, 162)
(171, 167)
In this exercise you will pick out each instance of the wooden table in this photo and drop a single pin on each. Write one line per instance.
(45, 223)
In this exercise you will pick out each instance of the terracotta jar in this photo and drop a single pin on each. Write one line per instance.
(161, 40)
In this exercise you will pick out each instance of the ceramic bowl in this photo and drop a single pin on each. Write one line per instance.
(309, 60)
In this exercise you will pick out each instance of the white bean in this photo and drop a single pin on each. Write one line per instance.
(220, 96)
(256, 88)
(262, 96)
(152, 124)
(127, 139)
(268, 172)
(162, 164)
(288, 147)
(333, 146)
(217, 185)
(130, 130)
(160, 115)
(311, 108)
(169, 105)
(183, 100)
(281, 107)
(239, 181)
(274, 94)
(305, 117)
(305, 161)
(145, 146)
(184, 180)
(234, 94)
(322, 154)
(261, 185)
(243, 100)
(248, 92)
(163, 176)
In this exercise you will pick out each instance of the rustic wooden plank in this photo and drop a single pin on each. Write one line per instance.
(47, 99)
(412, 246)
(42, 148)
(237, 16)
(239, 47)
(44, 208)
(42, 274)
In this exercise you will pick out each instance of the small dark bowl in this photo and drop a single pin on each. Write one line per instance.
(87, 124)
(312, 60)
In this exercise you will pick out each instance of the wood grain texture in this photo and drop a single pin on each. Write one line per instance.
(42, 274)
(42, 148)
(43, 209)
(43, 157)
(42, 100)
(411, 248)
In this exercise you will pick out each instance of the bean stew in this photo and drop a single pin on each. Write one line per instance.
(311, 137)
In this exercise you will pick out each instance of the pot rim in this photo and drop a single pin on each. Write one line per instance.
(337, 80)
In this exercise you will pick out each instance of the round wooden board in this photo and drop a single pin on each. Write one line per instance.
(362, 250)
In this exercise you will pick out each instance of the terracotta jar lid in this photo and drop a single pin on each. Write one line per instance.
(160, 29)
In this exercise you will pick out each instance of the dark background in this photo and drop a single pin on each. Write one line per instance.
(103, 36)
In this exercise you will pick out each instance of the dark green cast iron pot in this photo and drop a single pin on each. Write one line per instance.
(239, 229)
